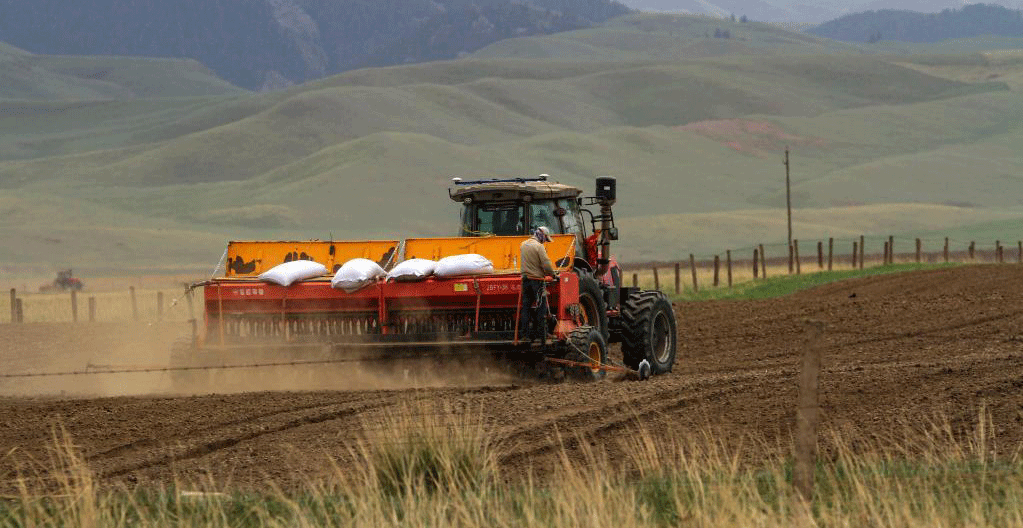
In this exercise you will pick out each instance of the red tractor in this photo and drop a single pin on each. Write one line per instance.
(248, 320)
(65, 281)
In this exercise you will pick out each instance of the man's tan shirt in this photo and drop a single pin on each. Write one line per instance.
(534, 262)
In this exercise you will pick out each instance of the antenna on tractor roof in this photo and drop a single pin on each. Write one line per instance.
(542, 177)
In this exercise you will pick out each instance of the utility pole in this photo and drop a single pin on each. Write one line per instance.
(788, 201)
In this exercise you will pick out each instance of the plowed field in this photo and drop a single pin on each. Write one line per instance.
(907, 346)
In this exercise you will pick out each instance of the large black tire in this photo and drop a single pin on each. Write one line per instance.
(649, 331)
(591, 300)
(586, 345)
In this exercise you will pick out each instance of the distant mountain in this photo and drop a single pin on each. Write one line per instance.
(970, 21)
(801, 11)
(274, 43)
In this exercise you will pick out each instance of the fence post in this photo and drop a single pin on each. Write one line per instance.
(635, 280)
(19, 310)
(973, 249)
(863, 250)
(14, 307)
(855, 253)
(891, 249)
(795, 253)
(92, 309)
(191, 306)
(820, 255)
(74, 306)
(657, 280)
(831, 251)
(998, 251)
(919, 247)
(1019, 253)
(134, 305)
(678, 282)
(945, 252)
(728, 260)
(756, 263)
(791, 263)
(763, 262)
(808, 410)
(886, 251)
(692, 265)
(159, 306)
(717, 268)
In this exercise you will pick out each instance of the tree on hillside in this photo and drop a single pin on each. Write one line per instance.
(733, 17)
(743, 19)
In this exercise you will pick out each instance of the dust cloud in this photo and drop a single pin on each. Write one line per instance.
(85, 348)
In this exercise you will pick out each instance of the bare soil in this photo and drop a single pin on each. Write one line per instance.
(899, 349)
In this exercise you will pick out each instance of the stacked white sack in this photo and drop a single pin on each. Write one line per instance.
(412, 270)
(356, 274)
(469, 264)
(294, 271)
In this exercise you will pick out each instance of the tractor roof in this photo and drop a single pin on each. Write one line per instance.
(513, 190)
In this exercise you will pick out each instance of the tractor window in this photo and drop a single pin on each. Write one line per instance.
(570, 220)
(496, 219)
(542, 214)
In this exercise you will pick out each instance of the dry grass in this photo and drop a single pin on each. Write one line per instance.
(441, 470)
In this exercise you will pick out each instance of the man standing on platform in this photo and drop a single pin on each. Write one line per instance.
(536, 266)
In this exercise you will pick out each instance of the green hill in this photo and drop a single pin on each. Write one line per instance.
(162, 183)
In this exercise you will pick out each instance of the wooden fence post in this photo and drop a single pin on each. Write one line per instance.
(92, 309)
(728, 260)
(19, 310)
(791, 263)
(831, 251)
(972, 250)
(855, 253)
(1019, 253)
(717, 268)
(14, 305)
(945, 252)
(635, 280)
(134, 305)
(998, 251)
(657, 280)
(191, 306)
(74, 306)
(763, 262)
(159, 306)
(756, 263)
(678, 281)
(891, 249)
(919, 247)
(820, 255)
(808, 411)
(795, 253)
(886, 251)
(863, 250)
(692, 265)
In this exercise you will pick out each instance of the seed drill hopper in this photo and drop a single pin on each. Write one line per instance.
(248, 321)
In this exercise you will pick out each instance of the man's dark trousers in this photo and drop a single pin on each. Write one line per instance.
(532, 320)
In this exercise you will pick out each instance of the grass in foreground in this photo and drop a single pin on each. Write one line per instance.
(778, 286)
(426, 468)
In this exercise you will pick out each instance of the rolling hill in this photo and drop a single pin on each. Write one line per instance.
(159, 184)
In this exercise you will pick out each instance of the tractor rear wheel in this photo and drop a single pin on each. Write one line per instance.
(591, 301)
(586, 345)
(649, 331)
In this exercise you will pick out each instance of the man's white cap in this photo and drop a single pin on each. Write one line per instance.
(542, 234)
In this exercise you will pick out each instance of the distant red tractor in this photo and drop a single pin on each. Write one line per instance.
(65, 281)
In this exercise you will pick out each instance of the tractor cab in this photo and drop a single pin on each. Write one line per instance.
(516, 207)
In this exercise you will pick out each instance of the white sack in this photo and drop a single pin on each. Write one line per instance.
(356, 274)
(413, 270)
(294, 271)
(470, 264)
